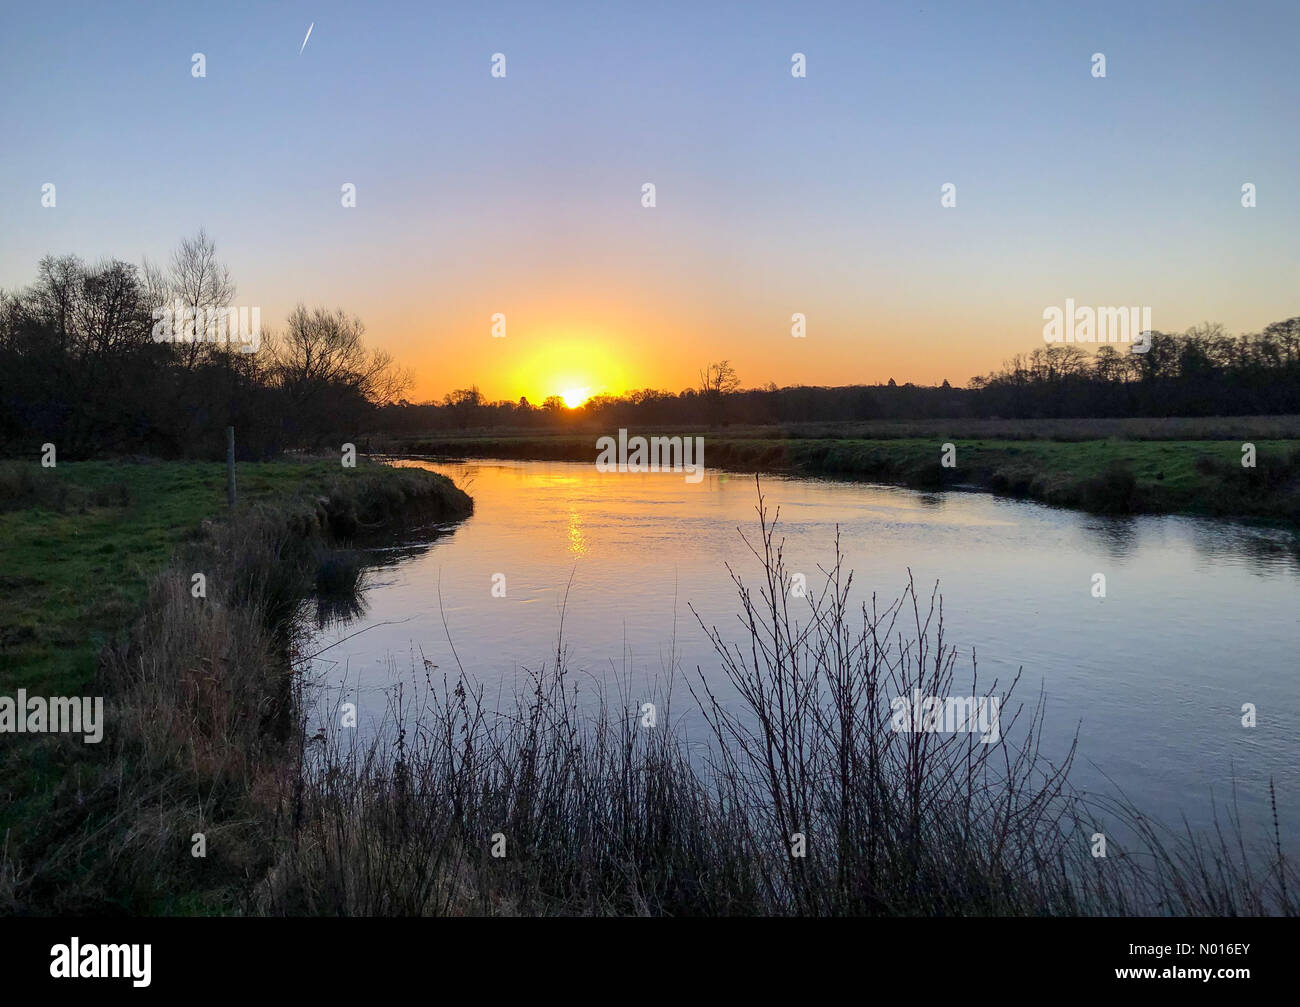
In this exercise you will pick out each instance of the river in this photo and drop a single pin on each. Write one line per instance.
(1199, 617)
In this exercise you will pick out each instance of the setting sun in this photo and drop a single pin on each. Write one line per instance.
(575, 397)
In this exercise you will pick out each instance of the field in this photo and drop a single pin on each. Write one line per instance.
(79, 543)
(97, 559)
(1166, 466)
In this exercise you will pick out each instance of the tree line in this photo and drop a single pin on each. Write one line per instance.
(82, 367)
(1201, 372)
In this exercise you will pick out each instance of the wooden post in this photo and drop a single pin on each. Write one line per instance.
(230, 467)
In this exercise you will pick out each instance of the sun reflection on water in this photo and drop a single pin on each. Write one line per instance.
(577, 540)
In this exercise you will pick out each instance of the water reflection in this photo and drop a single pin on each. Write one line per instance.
(1266, 550)
(577, 541)
(1117, 536)
(1200, 616)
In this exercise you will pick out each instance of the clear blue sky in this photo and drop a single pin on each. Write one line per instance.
(775, 195)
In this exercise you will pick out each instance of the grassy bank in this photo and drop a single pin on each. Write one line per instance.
(1115, 475)
(197, 689)
(80, 542)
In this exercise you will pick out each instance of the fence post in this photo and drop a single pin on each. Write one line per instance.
(230, 467)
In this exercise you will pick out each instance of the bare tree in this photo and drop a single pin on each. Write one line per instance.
(156, 285)
(718, 379)
(58, 282)
(198, 281)
(110, 316)
(1108, 364)
(322, 351)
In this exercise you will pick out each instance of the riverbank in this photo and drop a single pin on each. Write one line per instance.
(1109, 475)
(196, 673)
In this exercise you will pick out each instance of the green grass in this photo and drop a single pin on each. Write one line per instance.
(79, 544)
(75, 564)
(96, 560)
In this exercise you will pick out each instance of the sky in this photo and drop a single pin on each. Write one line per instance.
(775, 195)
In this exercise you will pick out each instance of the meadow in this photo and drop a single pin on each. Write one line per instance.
(80, 542)
(1120, 466)
(98, 560)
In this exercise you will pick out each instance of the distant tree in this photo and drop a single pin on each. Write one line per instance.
(58, 280)
(719, 379)
(463, 398)
(1108, 364)
(198, 281)
(1285, 337)
(329, 376)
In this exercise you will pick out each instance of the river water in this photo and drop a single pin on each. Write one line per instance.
(1199, 617)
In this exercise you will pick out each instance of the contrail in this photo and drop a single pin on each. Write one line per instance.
(307, 36)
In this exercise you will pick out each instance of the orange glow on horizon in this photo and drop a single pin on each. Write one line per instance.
(573, 365)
